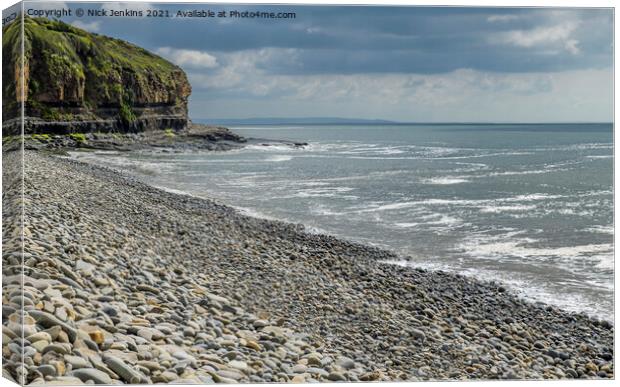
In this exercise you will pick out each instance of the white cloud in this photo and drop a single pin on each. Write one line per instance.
(538, 36)
(501, 18)
(188, 58)
(244, 69)
(92, 26)
(549, 36)
(241, 87)
(242, 72)
(571, 46)
(314, 30)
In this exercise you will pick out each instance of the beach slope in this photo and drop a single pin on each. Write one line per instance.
(127, 282)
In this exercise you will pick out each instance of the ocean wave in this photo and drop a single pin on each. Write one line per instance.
(441, 220)
(102, 152)
(372, 149)
(177, 191)
(445, 180)
(573, 147)
(517, 173)
(121, 163)
(600, 157)
(312, 183)
(478, 203)
(600, 192)
(495, 154)
(251, 212)
(524, 286)
(322, 210)
(484, 202)
(500, 209)
(267, 148)
(473, 167)
(572, 211)
(436, 157)
(512, 244)
(325, 192)
(279, 158)
(406, 224)
(601, 229)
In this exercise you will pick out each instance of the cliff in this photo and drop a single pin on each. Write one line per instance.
(77, 81)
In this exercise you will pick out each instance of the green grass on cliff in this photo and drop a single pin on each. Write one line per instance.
(70, 67)
(74, 55)
(11, 54)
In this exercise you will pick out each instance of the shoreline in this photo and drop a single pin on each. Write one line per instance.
(397, 259)
(402, 257)
(371, 320)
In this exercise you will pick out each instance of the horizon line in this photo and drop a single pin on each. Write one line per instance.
(386, 121)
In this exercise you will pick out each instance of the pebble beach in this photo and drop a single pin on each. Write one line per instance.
(126, 283)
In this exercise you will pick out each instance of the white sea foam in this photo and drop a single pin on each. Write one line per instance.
(373, 149)
(522, 285)
(602, 192)
(444, 220)
(494, 154)
(601, 229)
(322, 210)
(601, 157)
(279, 158)
(322, 192)
(177, 191)
(444, 180)
(573, 147)
(485, 204)
(121, 163)
(516, 173)
(389, 207)
(269, 148)
(573, 211)
(406, 225)
(102, 152)
(312, 183)
(513, 245)
(254, 213)
(471, 167)
(500, 209)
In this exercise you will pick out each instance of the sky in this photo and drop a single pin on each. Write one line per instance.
(410, 64)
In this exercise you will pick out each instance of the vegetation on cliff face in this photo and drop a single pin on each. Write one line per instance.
(74, 75)
(11, 51)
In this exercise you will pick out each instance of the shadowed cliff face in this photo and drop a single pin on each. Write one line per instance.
(76, 81)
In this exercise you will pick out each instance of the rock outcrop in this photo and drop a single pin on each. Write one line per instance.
(77, 81)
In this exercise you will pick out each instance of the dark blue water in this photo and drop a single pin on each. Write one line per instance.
(529, 205)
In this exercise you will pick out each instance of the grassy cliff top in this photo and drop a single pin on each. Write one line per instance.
(74, 43)
(66, 66)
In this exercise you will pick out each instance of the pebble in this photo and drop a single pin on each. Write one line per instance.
(85, 374)
(124, 371)
(260, 324)
(336, 377)
(165, 377)
(77, 362)
(345, 363)
(47, 370)
(59, 348)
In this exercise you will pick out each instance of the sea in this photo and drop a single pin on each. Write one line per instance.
(528, 205)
